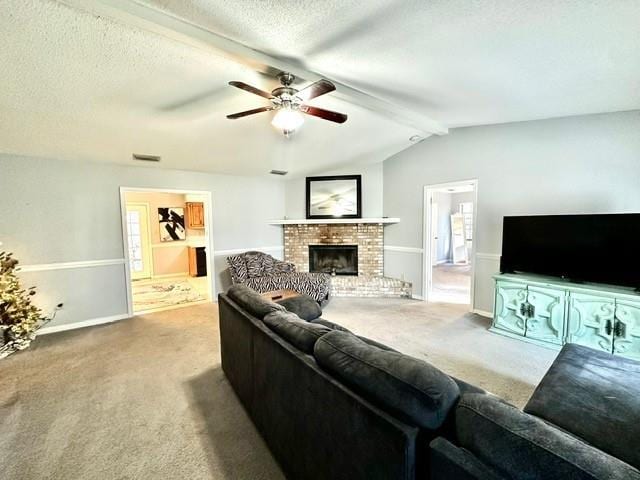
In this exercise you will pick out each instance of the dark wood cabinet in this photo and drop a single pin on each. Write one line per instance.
(195, 215)
(197, 261)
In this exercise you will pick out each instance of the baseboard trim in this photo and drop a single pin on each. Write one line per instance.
(394, 248)
(83, 324)
(484, 313)
(417, 297)
(235, 251)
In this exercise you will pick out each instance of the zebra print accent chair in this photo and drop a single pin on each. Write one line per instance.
(264, 273)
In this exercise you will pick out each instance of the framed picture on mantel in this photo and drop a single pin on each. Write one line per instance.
(337, 196)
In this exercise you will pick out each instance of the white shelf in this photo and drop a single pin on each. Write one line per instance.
(324, 221)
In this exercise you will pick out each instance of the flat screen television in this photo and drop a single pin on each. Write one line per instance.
(581, 248)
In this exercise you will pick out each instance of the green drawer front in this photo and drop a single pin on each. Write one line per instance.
(510, 296)
(590, 318)
(549, 311)
(626, 341)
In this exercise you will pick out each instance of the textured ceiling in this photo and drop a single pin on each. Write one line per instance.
(84, 86)
(461, 62)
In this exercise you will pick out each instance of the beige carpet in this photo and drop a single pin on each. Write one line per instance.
(145, 398)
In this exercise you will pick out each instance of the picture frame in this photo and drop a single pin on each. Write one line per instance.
(171, 224)
(334, 196)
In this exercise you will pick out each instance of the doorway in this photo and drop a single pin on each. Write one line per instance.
(168, 248)
(449, 242)
(139, 237)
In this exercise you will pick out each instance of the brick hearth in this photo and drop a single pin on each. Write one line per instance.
(369, 238)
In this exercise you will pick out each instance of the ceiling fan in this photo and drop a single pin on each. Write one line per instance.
(289, 102)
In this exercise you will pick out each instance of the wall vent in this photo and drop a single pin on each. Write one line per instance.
(278, 172)
(146, 158)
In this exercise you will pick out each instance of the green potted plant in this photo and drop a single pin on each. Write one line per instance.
(20, 319)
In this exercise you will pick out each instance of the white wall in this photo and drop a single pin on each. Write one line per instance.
(372, 205)
(570, 165)
(58, 212)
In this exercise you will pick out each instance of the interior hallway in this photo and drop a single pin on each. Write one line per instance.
(451, 283)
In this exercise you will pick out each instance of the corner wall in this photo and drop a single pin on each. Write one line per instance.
(586, 164)
(62, 220)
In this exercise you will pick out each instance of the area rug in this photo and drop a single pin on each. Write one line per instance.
(151, 296)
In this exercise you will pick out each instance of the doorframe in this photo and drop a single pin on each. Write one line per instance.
(149, 245)
(427, 234)
(208, 207)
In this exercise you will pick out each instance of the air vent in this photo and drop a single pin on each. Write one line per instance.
(146, 158)
(278, 172)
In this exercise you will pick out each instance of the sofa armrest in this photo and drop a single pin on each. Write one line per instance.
(446, 461)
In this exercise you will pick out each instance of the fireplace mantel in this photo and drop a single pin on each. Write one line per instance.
(327, 221)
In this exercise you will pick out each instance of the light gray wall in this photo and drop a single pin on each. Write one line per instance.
(570, 165)
(371, 190)
(58, 211)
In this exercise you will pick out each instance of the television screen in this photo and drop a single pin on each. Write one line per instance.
(581, 248)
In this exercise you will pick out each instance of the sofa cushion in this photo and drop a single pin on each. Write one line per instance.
(252, 301)
(303, 305)
(300, 333)
(446, 461)
(594, 395)
(331, 325)
(340, 328)
(316, 285)
(255, 264)
(237, 268)
(522, 446)
(409, 388)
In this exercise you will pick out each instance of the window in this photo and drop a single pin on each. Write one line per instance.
(135, 241)
(466, 209)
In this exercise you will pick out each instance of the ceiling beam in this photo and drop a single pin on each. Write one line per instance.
(134, 14)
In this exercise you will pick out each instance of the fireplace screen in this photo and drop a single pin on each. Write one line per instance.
(334, 259)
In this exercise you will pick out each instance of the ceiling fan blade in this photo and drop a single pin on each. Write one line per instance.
(233, 116)
(315, 90)
(324, 114)
(250, 89)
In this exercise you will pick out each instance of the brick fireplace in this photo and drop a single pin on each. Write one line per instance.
(367, 239)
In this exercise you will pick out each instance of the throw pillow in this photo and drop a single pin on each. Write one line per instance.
(303, 305)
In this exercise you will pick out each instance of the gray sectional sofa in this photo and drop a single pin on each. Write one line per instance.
(333, 405)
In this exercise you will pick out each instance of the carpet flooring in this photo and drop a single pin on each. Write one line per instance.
(146, 398)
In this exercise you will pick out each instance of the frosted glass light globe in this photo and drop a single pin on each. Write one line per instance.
(287, 120)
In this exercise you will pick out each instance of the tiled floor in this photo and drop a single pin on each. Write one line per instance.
(164, 293)
(451, 283)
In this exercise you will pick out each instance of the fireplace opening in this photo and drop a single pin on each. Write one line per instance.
(334, 259)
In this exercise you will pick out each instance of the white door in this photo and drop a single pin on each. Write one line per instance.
(138, 237)
(434, 233)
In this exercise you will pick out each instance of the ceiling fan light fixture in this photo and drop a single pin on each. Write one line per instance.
(287, 120)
